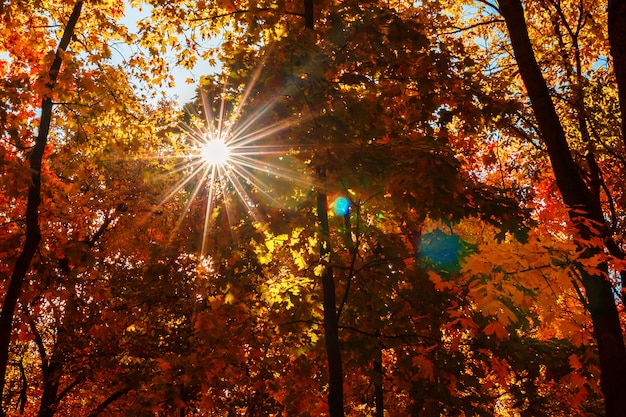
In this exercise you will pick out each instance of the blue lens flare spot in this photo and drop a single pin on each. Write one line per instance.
(441, 248)
(341, 206)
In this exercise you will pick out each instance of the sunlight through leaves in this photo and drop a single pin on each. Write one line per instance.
(235, 155)
(215, 152)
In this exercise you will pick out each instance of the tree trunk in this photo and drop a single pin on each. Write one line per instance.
(584, 210)
(33, 234)
(379, 376)
(309, 17)
(617, 41)
(331, 321)
(49, 398)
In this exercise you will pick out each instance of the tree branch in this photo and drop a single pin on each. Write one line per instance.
(475, 25)
(33, 233)
(110, 400)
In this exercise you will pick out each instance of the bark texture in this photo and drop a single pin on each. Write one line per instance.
(617, 41)
(331, 320)
(584, 210)
(33, 234)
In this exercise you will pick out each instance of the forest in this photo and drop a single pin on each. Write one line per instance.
(367, 208)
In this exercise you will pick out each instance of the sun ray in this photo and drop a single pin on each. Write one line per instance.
(271, 169)
(234, 156)
(259, 134)
(186, 180)
(208, 212)
(235, 135)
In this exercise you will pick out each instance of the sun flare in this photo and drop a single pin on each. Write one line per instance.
(215, 152)
(236, 164)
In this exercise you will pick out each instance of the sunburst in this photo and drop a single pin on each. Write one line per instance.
(215, 152)
(229, 153)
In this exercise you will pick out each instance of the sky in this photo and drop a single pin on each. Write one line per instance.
(182, 92)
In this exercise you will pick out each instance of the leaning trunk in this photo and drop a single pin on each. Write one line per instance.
(33, 234)
(617, 41)
(584, 211)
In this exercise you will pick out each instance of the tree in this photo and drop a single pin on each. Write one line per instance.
(356, 93)
(579, 149)
(33, 234)
(72, 102)
(375, 244)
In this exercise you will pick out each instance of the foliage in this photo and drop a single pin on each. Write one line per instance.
(459, 273)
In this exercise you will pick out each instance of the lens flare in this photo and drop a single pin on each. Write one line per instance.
(215, 152)
(441, 249)
(341, 206)
(232, 157)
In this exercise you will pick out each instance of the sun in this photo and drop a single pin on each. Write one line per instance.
(215, 152)
(232, 161)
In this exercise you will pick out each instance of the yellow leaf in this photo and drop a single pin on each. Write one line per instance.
(229, 298)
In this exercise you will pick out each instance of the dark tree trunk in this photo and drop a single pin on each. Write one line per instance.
(50, 370)
(309, 17)
(584, 210)
(379, 376)
(617, 41)
(33, 234)
(331, 321)
(49, 397)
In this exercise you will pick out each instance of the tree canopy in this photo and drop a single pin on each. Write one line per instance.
(378, 208)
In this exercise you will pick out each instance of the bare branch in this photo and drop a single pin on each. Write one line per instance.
(475, 25)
